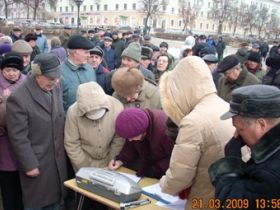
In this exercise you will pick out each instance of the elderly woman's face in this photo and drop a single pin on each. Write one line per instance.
(162, 63)
(11, 74)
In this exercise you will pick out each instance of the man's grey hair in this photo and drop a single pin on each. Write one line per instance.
(270, 120)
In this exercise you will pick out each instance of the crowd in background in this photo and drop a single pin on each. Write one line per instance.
(102, 98)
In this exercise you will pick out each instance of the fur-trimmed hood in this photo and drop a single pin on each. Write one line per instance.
(184, 87)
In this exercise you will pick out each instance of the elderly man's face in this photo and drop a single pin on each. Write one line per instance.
(249, 130)
(81, 56)
(232, 74)
(47, 83)
(128, 62)
(94, 60)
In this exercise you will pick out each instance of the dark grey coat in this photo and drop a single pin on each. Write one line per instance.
(36, 134)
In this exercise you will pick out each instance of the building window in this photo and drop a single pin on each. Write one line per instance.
(105, 7)
(172, 22)
(97, 7)
(91, 7)
(207, 26)
(66, 9)
(164, 7)
(54, 9)
(172, 10)
(201, 14)
(213, 27)
(72, 8)
(125, 6)
(180, 23)
(117, 7)
(201, 25)
(60, 9)
(133, 6)
(209, 4)
(85, 8)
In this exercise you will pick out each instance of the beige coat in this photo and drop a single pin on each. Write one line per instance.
(189, 98)
(149, 97)
(92, 143)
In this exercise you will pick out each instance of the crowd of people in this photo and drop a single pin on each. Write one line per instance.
(205, 125)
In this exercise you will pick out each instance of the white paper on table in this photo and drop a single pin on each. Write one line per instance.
(156, 190)
(131, 176)
(177, 205)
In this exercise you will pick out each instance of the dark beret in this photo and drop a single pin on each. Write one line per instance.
(91, 31)
(30, 36)
(228, 63)
(147, 37)
(254, 101)
(163, 44)
(96, 51)
(79, 42)
(67, 27)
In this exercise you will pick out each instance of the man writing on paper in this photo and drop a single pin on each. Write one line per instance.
(147, 144)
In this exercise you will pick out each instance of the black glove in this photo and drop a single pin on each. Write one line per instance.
(233, 147)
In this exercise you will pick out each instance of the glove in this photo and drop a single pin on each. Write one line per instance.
(184, 193)
(233, 147)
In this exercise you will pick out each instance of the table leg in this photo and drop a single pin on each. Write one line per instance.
(81, 202)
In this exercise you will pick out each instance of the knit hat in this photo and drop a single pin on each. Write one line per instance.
(254, 56)
(256, 46)
(12, 59)
(55, 41)
(17, 29)
(30, 37)
(127, 81)
(4, 48)
(146, 53)
(147, 37)
(131, 122)
(97, 51)
(133, 51)
(207, 51)
(79, 42)
(46, 64)
(21, 47)
(228, 63)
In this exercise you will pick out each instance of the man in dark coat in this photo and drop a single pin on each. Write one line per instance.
(221, 46)
(255, 113)
(35, 122)
(147, 142)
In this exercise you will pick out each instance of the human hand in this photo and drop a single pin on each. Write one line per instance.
(33, 173)
(6, 92)
(184, 193)
(115, 164)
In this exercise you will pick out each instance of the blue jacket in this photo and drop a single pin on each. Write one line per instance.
(110, 57)
(72, 77)
(42, 43)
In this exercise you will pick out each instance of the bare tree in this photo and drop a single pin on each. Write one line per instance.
(273, 26)
(221, 11)
(263, 17)
(35, 5)
(237, 12)
(188, 12)
(7, 3)
(250, 16)
(151, 8)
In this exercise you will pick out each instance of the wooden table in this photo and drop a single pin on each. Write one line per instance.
(112, 204)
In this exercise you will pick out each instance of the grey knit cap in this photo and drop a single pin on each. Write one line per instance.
(133, 51)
